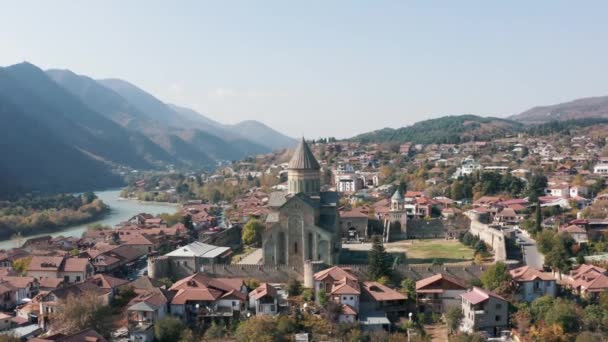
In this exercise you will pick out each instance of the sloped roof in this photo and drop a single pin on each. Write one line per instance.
(422, 283)
(336, 273)
(381, 292)
(198, 249)
(527, 273)
(264, 289)
(397, 196)
(303, 158)
(478, 295)
(346, 286)
(105, 281)
(348, 310)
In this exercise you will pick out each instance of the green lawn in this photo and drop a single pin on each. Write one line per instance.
(445, 251)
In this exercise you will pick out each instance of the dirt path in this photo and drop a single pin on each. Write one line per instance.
(437, 332)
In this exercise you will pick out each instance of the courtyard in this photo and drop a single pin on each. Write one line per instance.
(422, 251)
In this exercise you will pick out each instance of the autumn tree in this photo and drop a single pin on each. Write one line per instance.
(77, 313)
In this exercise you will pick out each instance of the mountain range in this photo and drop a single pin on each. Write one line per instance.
(66, 132)
(585, 108)
(458, 128)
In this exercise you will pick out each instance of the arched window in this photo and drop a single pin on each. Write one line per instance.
(295, 247)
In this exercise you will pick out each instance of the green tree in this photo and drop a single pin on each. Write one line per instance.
(564, 314)
(215, 331)
(453, 318)
(540, 305)
(538, 218)
(495, 276)
(168, 329)
(294, 287)
(408, 288)
(378, 259)
(252, 232)
(322, 297)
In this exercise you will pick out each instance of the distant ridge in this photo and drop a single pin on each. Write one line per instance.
(65, 132)
(584, 108)
(448, 129)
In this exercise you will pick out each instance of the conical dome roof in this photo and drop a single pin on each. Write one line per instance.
(397, 196)
(303, 158)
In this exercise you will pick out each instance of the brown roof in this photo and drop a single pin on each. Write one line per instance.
(348, 310)
(50, 283)
(381, 292)
(45, 263)
(421, 284)
(477, 295)
(346, 286)
(527, 273)
(263, 290)
(335, 273)
(75, 265)
(105, 281)
(18, 282)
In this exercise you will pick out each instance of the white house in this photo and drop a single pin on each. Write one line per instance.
(264, 300)
(484, 311)
(532, 283)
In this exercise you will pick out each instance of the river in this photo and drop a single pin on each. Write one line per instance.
(120, 211)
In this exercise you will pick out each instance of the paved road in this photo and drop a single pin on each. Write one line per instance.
(532, 256)
(253, 258)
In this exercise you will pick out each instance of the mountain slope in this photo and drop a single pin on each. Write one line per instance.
(153, 140)
(181, 117)
(263, 135)
(35, 159)
(447, 129)
(67, 117)
(585, 108)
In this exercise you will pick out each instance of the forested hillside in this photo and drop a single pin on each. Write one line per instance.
(446, 130)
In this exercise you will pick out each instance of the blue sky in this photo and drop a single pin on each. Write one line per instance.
(324, 68)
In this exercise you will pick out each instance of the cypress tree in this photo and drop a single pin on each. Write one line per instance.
(378, 259)
(539, 218)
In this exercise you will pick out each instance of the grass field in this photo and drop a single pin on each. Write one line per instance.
(424, 251)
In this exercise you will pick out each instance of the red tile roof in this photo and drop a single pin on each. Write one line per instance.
(381, 292)
(527, 273)
(478, 295)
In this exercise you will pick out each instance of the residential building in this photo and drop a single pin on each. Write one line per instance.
(533, 283)
(264, 300)
(439, 292)
(484, 311)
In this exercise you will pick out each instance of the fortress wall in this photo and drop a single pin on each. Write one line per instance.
(491, 236)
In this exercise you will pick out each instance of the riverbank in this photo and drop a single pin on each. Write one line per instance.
(26, 233)
(120, 210)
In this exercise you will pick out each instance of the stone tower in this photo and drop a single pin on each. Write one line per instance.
(395, 223)
(303, 172)
(303, 222)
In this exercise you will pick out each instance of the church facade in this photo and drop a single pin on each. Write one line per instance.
(303, 222)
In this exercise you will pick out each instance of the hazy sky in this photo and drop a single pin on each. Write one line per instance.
(324, 68)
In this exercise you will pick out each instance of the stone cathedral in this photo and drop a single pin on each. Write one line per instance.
(303, 222)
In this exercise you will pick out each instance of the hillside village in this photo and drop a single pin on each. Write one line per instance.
(502, 239)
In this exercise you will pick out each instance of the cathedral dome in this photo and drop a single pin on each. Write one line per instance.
(303, 158)
(303, 172)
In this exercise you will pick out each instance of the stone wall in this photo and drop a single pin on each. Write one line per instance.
(281, 274)
(230, 237)
(492, 237)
